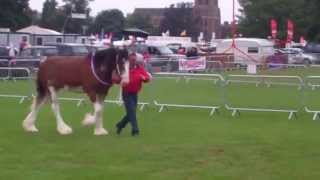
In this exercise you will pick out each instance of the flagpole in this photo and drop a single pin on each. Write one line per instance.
(233, 24)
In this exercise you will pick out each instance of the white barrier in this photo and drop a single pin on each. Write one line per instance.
(213, 109)
(267, 80)
(313, 86)
(24, 74)
(236, 110)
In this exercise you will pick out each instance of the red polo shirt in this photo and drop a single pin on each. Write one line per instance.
(137, 76)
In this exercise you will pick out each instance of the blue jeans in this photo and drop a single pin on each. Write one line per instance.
(130, 102)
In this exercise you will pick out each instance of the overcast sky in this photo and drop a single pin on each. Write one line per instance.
(127, 6)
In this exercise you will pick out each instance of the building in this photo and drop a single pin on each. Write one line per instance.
(207, 10)
(36, 35)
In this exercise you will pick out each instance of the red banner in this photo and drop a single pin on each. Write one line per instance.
(290, 31)
(274, 28)
(302, 40)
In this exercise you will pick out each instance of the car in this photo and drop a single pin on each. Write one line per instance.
(69, 49)
(298, 56)
(174, 47)
(162, 57)
(158, 51)
(38, 51)
(6, 54)
(313, 49)
(279, 57)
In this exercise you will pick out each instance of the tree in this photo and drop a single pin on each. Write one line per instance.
(141, 22)
(49, 18)
(15, 14)
(74, 6)
(179, 19)
(108, 21)
(256, 15)
(226, 30)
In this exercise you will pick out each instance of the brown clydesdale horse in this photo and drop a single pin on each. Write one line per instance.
(93, 74)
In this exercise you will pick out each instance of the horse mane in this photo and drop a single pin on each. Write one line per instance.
(110, 55)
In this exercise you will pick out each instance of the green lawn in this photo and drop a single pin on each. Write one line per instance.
(178, 144)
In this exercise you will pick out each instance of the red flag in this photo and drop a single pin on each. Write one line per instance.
(106, 35)
(290, 31)
(274, 28)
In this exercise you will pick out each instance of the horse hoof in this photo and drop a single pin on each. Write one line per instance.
(30, 128)
(65, 130)
(100, 132)
(88, 120)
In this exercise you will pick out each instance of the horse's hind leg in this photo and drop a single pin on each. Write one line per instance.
(29, 123)
(62, 127)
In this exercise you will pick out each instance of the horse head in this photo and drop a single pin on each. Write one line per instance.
(115, 62)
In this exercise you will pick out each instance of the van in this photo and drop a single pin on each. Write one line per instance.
(249, 50)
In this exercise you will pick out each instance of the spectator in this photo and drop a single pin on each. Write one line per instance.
(23, 44)
(146, 60)
(193, 52)
(182, 51)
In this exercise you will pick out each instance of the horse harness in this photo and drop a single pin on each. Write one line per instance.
(95, 73)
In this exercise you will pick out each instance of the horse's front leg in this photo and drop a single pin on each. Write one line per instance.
(98, 113)
(62, 127)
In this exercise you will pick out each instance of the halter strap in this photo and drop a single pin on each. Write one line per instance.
(117, 64)
(94, 72)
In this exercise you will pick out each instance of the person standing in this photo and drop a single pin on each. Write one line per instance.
(137, 76)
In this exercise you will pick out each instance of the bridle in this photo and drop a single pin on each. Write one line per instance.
(95, 73)
(117, 65)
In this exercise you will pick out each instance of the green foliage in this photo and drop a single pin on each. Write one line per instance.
(75, 6)
(141, 22)
(178, 19)
(255, 21)
(109, 21)
(50, 15)
(226, 30)
(15, 14)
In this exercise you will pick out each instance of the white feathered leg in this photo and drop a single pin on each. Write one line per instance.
(89, 120)
(98, 112)
(29, 123)
(62, 127)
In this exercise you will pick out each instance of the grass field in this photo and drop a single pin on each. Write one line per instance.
(178, 144)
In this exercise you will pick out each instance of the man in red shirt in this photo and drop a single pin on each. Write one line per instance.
(137, 76)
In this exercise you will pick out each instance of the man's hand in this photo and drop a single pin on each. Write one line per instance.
(143, 77)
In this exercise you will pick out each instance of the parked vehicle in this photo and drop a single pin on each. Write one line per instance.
(161, 56)
(298, 56)
(253, 50)
(314, 50)
(38, 51)
(279, 57)
(5, 52)
(70, 49)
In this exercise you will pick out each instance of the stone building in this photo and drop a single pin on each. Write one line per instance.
(208, 10)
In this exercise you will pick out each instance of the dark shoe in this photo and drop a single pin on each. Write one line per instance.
(135, 133)
(119, 129)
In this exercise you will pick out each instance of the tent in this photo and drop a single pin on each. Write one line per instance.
(38, 31)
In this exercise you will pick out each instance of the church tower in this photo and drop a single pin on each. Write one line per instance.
(209, 13)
